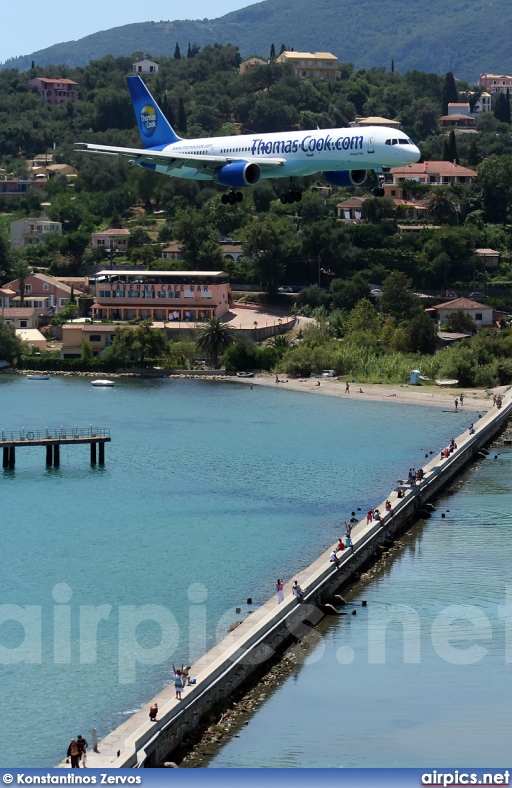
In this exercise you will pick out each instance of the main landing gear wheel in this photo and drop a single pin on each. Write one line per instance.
(231, 198)
(290, 198)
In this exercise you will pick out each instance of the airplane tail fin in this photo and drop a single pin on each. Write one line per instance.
(155, 129)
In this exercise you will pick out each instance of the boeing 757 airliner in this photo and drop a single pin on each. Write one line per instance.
(343, 156)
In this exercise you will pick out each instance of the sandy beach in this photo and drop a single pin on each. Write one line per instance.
(474, 399)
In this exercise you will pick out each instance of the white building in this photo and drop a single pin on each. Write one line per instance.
(24, 232)
(145, 67)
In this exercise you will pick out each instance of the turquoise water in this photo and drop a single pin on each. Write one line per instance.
(436, 711)
(204, 483)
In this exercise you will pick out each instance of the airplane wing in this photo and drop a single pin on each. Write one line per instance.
(198, 160)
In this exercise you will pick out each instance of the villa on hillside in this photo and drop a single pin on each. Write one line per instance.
(145, 67)
(251, 62)
(495, 83)
(321, 65)
(54, 91)
(482, 315)
(435, 173)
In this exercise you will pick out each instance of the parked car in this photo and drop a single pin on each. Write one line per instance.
(328, 373)
(376, 292)
(477, 296)
(285, 289)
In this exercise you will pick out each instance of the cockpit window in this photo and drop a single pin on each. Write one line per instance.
(388, 142)
(394, 142)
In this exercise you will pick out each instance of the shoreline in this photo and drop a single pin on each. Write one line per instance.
(400, 393)
(474, 399)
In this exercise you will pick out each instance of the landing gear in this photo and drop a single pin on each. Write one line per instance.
(379, 191)
(231, 198)
(291, 197)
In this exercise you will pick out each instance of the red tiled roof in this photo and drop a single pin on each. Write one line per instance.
(461, 303)
(17, 311)
(443, 168)
(60, 81)
(114, 232)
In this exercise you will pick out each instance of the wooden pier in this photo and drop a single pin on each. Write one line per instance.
(53, 439)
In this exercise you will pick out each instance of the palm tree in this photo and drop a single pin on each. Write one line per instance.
(21, 271)
(214, 338)
(441, 206)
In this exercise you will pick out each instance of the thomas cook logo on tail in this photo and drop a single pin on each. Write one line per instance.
(148, 120)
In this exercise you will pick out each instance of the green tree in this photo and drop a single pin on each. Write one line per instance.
(441, 206)
(421, 334)
(182, 117)
(266, 242)
(450, 148)
(495, 188)
(272, 52)
(148, 342)
(177, 53)
(375, 209)
(21, 271)
(449, 93)
(362, 319)
(11, 347)
(460, 322)
(86, 353)
(502, 108)
(199, 241)
(398, 299)
(345, 295)
(215, 337)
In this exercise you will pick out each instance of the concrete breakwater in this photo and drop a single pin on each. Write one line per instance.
(271, 627)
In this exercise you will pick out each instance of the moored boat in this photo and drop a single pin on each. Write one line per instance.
(103, 383)
(38, 377)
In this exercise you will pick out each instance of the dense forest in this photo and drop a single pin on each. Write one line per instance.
(467, 37)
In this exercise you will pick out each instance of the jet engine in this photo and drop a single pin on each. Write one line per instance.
(238, 174)
(345, 177)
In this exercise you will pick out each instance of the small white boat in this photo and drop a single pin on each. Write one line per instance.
(446, 382)
(38, 377)
(103, 383)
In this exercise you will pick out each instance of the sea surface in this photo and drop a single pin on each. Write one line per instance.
(210, 491)
(360, 702)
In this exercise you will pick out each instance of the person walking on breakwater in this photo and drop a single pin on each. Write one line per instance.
(348, 542)
(153, 711)
(178, 683)
(74, 754)
(389, 508)
(471, 429)
(456, 403)
(298, 592)
(369, 516)
(461, 399)
(348, 528)
(280, 591)
(82, 749)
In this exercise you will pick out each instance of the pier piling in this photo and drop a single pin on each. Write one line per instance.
(52, 439)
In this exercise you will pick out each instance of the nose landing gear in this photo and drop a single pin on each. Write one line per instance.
(231, 198)
(379, 191)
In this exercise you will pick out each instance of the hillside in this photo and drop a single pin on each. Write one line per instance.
(461, 36)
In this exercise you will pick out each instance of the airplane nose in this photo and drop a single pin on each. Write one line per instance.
(415, 153)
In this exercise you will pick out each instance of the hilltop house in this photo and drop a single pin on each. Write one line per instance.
(54, 91)
(322, 65)
(116, 239)
(495, 83)
(251, 62)
(145, 67)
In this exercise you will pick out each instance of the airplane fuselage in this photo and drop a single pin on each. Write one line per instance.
(303, 152)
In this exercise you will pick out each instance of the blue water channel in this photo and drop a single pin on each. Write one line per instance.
(210, 491)
(360, 700)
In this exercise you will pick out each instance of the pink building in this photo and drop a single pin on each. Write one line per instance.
(495, 83)
(111, 239)
(54, 91)
(181, 296)
(41, 291)
(13, 187)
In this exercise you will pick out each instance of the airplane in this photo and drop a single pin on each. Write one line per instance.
(343, 156)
